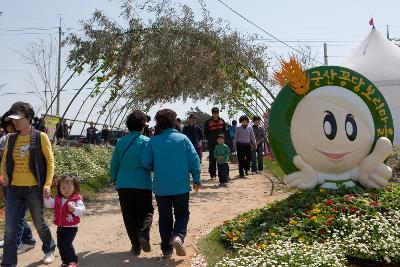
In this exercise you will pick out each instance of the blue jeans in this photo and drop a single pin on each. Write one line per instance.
(168, 230)
(257, 158)
(17, 198)
(24, 232)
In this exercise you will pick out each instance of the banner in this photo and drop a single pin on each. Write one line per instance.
(50, 123)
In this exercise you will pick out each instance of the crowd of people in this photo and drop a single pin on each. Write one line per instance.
(145, 161)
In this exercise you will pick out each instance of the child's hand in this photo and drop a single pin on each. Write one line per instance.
(221, 158)
(71, 206)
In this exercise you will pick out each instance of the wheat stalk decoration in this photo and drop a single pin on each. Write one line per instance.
(293, 73)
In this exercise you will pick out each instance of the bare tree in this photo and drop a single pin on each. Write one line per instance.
(42, 56)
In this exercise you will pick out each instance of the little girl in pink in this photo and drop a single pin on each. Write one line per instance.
(68, 208)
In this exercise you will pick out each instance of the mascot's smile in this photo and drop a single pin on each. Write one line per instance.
(334, 156)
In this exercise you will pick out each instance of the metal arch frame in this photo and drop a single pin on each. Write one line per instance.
(128, 103)
(115, 102)
(55, 97)
(95, 103)
(83, 103)
(75, 96)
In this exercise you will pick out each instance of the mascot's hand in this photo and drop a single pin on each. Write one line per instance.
(372, 172)
(305, 178)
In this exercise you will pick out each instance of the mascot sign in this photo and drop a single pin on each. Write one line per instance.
(330, 126)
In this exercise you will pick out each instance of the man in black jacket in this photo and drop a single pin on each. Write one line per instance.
(212, 128)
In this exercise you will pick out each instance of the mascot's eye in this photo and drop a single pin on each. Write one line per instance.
(351, 127)
(330, 127)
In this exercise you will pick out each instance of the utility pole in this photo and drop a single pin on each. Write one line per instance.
(326, 54)
(59, 70)
(387, 32)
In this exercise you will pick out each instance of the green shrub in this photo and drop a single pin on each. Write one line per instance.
(88, 162)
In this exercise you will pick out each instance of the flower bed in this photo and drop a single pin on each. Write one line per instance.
(86, 162)
(318, 228)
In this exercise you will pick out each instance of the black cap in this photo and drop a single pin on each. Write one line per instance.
(215, 110)
(221, 136)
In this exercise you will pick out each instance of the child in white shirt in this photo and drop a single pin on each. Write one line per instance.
(68, 208)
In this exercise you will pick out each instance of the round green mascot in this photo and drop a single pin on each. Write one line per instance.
(330, 127)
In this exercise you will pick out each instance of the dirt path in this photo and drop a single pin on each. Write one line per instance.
(102, 240)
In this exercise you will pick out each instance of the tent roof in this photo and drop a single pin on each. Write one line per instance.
(377, 58)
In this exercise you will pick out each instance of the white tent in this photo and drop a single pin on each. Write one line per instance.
(378, 59)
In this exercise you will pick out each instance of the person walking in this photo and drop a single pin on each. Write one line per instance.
(194, 133)
(257, 155)
(212, 128)
(28, 163)
(68, 209)
(244, 142)
(231, 134)
(173, 158)
(91, 134)
(105, 135)
(221, 154)
(25, 240)
(133, 183)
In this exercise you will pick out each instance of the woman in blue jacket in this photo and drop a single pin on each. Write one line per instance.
(133, 183)
(173, 158)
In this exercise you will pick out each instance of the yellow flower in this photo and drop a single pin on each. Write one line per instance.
(322, 190)
(293, 222)
(301, 238)
(316, 210)
(261, 246)
(313, 218)
(273, 234)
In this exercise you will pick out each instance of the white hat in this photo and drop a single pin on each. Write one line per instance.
(16, 116)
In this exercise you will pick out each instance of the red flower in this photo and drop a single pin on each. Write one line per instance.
(329, 223)
(344, 210)
(353, 210)
(330, 217)
(361, 213)
(348, 199)
(374, 204)
(322, 231)
(335, 209)
(329, 202)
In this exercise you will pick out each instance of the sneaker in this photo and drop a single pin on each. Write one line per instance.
(177, 243)
(48, 258)
(167, 254)
(24, 248)
(246, 172)
(135, 251)
(225, 185)
(213, 177)
(144, 242)
(1, 243)
(220, 184)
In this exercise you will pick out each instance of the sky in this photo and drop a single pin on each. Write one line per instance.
(342, 24)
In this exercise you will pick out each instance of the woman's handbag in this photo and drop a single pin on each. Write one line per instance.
(234, 158)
